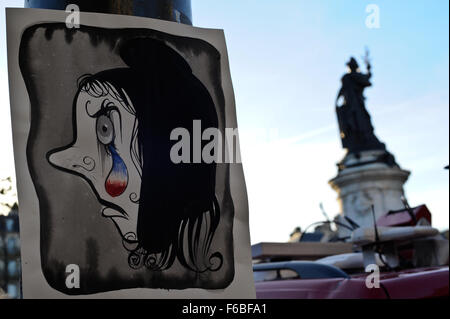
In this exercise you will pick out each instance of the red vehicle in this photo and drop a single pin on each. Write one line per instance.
(409, 256)
(311, 280)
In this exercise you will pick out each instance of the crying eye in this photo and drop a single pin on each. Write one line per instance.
(105, 130)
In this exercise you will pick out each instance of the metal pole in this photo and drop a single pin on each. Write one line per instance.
(170, 10)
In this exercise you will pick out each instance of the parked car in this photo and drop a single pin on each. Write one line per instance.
(312, 280)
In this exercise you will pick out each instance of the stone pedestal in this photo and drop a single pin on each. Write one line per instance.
(364, 180)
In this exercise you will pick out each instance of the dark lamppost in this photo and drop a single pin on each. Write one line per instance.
(171, 10)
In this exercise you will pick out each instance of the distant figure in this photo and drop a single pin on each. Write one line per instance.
(357, 132)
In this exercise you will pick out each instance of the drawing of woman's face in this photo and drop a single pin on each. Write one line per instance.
(101, 154)
(122, 123)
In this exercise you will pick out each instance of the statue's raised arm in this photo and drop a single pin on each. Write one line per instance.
(368, 64)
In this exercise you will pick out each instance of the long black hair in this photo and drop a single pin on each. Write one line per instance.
(178, 209)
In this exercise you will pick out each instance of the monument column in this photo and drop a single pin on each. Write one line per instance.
(368, 175)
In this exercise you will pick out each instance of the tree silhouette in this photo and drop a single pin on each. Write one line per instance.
(8, 196)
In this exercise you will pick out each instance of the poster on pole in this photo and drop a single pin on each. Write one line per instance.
(127, 158)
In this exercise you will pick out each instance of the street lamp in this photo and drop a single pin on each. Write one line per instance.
(170, 10)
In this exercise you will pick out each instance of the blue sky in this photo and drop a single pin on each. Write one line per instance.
(287, 58)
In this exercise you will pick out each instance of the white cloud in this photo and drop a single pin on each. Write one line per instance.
(286, 182)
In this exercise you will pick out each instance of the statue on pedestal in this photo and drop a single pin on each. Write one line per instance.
(356, 130)
(368, 175)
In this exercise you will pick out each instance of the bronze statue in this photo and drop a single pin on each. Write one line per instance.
(356, 130)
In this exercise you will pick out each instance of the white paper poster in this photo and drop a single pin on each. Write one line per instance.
(129, 185)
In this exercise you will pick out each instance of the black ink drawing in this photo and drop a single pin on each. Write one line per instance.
(170, 219)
